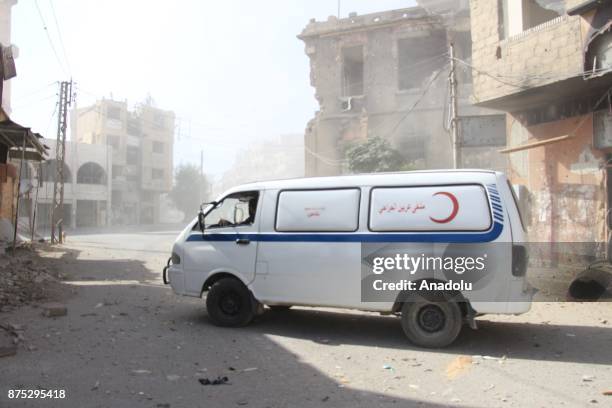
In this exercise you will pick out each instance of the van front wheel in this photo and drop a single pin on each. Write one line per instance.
(229, 303)
(431, 324)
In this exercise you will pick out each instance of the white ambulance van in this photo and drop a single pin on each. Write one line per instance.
(312, 242)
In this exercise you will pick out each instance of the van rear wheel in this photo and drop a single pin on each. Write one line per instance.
(431, 324)
(229, 303)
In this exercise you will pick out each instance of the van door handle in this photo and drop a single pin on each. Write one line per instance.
(243, 241)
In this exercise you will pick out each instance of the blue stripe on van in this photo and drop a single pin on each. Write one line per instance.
(447, 237)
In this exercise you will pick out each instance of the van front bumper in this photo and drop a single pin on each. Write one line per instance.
(174, 275)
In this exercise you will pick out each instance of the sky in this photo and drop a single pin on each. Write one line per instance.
(233, 71)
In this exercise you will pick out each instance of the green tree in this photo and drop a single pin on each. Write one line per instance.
(375, 155)
(189, 189)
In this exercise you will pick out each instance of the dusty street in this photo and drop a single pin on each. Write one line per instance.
(128, 341)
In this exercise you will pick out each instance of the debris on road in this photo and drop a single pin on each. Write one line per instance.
(54, 310)
(24, 278)
(500, 359)
(458, 366)
(607, 393)
(8, 350)
(588, 378)
(173, 377)
(246, 370)
(141, 372)
(591, 284)
(216, 381)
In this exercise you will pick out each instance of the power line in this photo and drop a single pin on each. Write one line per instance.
(34, 102)
(42, 19)
(33, 92)
(59, 35)
(52, 116)
(502, 78)
(418, 101)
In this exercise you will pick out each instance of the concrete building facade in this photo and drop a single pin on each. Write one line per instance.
(548, 65)
(386, 75)
(141, 141)
(87, 186)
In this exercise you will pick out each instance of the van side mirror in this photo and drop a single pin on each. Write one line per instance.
(202, 217)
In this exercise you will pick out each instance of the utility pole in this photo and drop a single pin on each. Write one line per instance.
(453, 108)
(57, 215)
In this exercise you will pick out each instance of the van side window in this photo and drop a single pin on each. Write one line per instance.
(430, 208)
(326, 210)
(235, 210)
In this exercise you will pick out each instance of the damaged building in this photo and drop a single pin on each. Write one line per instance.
(386, 75)
(140, 143)
(547, 63)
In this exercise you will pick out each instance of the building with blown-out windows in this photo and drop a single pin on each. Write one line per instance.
(140, 143)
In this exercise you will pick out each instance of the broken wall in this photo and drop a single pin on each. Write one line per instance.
(565, 181)
(404, 96)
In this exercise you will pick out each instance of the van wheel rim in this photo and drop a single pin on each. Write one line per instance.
(431, 318)
(230, 304)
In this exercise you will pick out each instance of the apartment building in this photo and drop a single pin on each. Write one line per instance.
(386, 75)
(547, 63)
(141, 144)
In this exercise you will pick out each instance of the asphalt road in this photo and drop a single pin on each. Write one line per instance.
(128, 341)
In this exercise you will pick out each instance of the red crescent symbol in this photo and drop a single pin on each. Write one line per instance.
(453, 213)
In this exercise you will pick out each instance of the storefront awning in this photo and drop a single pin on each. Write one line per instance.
(16, 137)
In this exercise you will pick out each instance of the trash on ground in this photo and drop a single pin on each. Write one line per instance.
(216, 381)
(141, 371)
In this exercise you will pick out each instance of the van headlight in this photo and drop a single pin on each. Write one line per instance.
(175, 258)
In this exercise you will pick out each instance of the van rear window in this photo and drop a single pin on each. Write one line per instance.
(318, 210)
(437, 208)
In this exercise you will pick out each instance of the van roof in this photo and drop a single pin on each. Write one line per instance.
(366, 179)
